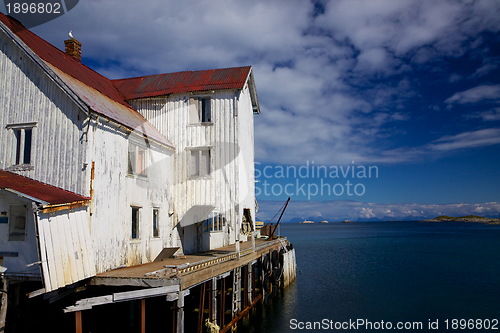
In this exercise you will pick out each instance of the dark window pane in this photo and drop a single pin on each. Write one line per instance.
(27, 146)
(156, 230)
(135, 222)
(205, 107)
(17, 137)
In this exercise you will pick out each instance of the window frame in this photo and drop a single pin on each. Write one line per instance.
(156, 222)
(199, 107)
(22, 152)
(135, 223)
(14, 231)
(136, 159)
(215, 222)
(196, 169)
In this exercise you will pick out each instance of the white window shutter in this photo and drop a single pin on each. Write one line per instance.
(194, 114)
(194, 163)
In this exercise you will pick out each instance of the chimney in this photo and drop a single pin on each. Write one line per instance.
(73, 48)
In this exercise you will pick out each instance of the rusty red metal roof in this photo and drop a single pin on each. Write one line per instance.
(38, 190)
(188, 81)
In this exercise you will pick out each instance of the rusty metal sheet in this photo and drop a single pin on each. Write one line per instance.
(188, 81)
(38, 190)
(112, 109)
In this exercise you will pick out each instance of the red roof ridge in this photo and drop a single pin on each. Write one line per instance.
(178, 72)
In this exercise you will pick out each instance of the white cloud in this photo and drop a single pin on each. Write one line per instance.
(480, 138)
(476, 94)
(490, 115)
(317, 78)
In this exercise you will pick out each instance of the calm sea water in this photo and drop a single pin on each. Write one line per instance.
(397, 272)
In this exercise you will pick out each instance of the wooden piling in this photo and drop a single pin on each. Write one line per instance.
(180, 313)
(3, 303)
(78, 321)
(143, 315)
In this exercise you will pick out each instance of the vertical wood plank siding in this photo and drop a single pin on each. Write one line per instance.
(65, 248)
(58, 144)
(170, 115)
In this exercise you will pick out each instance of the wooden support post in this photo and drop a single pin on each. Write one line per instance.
(180, 312)
(201, 308)
(143, 315)
(236, 292)
(249, 283)
(214, 301)
(223, 295)
(78, 320)
(253, 241)
(254, 283)
(3, 303)
(245, 287)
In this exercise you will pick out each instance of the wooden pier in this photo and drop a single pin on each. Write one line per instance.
(226, 282)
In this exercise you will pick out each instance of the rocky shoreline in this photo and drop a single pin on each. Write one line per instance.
(478, 219)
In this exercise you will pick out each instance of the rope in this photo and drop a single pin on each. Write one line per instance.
(211, 327)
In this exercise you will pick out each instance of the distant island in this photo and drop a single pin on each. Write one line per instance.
(467, 218)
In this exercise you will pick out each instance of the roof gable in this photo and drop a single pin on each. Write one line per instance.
(94, 90)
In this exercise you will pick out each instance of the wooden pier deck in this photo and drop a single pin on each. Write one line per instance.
(188, 270)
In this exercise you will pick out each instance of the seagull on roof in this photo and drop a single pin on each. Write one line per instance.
(70, 35)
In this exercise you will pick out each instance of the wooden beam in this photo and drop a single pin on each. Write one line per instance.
(244, 312)
(88, 303)
(78, 321)
(214, 300)
(143, 315)
(201, 308)
(143, 293)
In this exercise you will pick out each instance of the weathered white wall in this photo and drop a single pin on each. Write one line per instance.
(28, 95)
(115, 191)
(27, 249)
(247, 157)
(230, 187)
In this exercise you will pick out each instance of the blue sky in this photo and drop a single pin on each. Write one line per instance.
(409, 87)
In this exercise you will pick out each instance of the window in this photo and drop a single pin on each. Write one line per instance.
(135, 222)
(200, 110)
(17, 223)
(214, 222)
(136, 159)
(156, 224)
(22, 143)
(200, 162)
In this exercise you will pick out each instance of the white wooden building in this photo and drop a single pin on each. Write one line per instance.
(65, 125)
(208, 116)
(158, 161)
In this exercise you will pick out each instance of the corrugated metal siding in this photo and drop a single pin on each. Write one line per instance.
(28, 95)
(66, 249)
